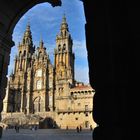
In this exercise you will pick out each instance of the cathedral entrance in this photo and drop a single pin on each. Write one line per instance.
(47, 123)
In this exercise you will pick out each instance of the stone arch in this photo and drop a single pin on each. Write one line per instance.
(36, 104)
(110, 49)
(24, 53)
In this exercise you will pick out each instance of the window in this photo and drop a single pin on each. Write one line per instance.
(76, 118)
(20, 54)
(50, 83)
(24, 54)
(79, 104)
(86, 114)
(86, 124)
(59, 47)
(40, 54)
(39, 73)
(60, 89)
(86, 107)
(50, 100)
(60, 73)
(39, 84)
(64, 47)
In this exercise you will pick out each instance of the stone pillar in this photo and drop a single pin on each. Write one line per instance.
(28, 102)
(5, 47)
(21, 107)
(5, 100)
(109, 41)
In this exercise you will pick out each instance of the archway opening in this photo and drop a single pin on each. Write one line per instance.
(42, 76)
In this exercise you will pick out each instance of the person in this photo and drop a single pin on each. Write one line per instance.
(77, 129)
(30, 127)
(67, 128)
(35, 127)
(16, 128)
(80, 128)
(91, 127)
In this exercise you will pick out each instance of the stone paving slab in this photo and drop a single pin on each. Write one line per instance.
(46, 134)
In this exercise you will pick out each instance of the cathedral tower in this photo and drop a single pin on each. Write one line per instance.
(25, 50)
(22, 66)
(64, 57)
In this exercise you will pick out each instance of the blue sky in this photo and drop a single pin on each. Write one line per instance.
(45, 23)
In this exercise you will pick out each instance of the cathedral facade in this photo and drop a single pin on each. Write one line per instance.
(49, 90)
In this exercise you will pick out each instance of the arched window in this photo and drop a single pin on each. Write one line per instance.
(87, 124)
(19, 53)
(40, 54)
(36, 104)
(59, 47)
(28, 41)
(24, 54)
(39, 84)
(39, 73)
(64, 47)
(60, 73)
(65, 33)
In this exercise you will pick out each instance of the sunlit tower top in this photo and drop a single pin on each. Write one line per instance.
(27, 38)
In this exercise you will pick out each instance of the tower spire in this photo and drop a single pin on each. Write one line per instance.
(64, 25)
(41, 44)
(27, 38)
(64, 19)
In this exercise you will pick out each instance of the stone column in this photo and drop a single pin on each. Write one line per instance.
(28, 102)
(5, 100)
(21, 107)
(108, 42)
(5, 47)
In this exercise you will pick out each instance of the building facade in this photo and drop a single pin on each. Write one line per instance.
(49, 90)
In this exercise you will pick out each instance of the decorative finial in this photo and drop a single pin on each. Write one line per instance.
(64, 18)
(28, 25)
(41, 41)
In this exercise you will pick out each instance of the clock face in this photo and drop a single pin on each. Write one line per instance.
(39, 73)
(39, 84)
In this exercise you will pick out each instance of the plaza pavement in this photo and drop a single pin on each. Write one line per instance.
(46, 134)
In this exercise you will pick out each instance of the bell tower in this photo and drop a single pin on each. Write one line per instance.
(64, 57)
(25, 50)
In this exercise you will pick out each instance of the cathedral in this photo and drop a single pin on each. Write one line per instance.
(38, 87)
